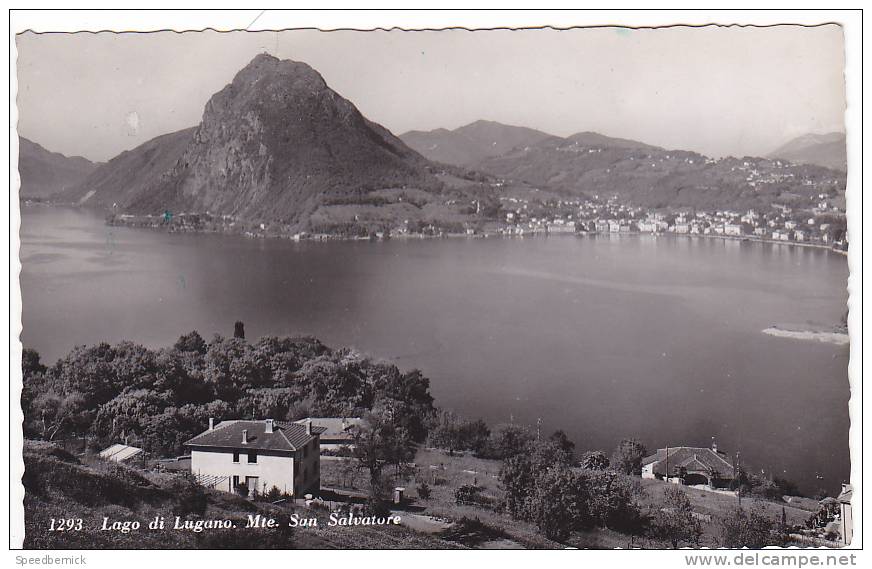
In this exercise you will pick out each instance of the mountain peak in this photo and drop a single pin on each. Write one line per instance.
(267, 71)
(826, 150)
(264, 57)
(275, 144)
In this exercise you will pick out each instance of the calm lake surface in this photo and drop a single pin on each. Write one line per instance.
(604, 337)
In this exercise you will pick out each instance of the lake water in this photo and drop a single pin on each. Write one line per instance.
(604, 337)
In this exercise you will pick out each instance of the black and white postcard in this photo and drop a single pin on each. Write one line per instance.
(282, 285)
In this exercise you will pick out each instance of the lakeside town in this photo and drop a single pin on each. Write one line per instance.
(822, 224)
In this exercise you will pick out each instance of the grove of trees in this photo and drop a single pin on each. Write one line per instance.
(157, 399)
(543, 485)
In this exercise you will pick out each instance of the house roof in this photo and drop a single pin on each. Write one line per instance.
(334, 427)
(228, 435)
(692, 459)
(119, 452)
(846, 495)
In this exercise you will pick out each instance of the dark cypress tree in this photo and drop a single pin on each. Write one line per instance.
(239, 330)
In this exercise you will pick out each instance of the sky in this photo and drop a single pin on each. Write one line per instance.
(718, 91)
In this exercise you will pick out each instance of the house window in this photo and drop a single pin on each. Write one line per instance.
(235, 481)
(236, 456)
(252, 457)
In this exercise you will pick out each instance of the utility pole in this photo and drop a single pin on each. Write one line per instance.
(538, 429)
(667, 463)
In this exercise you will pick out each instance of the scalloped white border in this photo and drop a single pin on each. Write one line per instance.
(63, 20)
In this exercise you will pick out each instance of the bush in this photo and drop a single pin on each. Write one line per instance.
(559, 504)
(594, 460)
(190, 497)
(628, 456)
(506, 441)
(674, 522)
(614, 501)
(454, 433)
(423, 491)
(273, 495)
(751, 528)
(470, 495)
(377, 506)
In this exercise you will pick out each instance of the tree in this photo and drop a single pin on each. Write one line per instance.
(446, 434)
(628, 456)
(452, 433)
(54, 414)
(558, 505)
(336, 388)
(379, 443)
(231, 366)
(614, 500)
(423, 491)
(128, 413)
(239, 330)
(520, 472)
(741, 482)
(30, 364)
(404, 395)
(474, 435)
(674, 521)
(750, 528)
(191, 342)
(518, 479)
(559, 438)
(508, 440)
(33, 378)
(594, 460)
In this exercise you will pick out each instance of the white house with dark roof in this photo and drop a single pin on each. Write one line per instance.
(690, 465)
(259, 454)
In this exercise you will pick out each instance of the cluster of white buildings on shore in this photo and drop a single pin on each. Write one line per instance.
(821, 224)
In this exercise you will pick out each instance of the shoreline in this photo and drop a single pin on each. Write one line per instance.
(824, 337)
(413, 236)
(533, 234)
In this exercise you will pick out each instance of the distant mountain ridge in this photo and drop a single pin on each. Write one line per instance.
(272, 145)
(595, 139)
(827, 150)
(132, 173)
(593, 165)
(44, 173)
(472, 143)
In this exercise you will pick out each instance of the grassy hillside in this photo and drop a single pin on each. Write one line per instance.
(652, 177)
(444, 474)
(61, 486)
